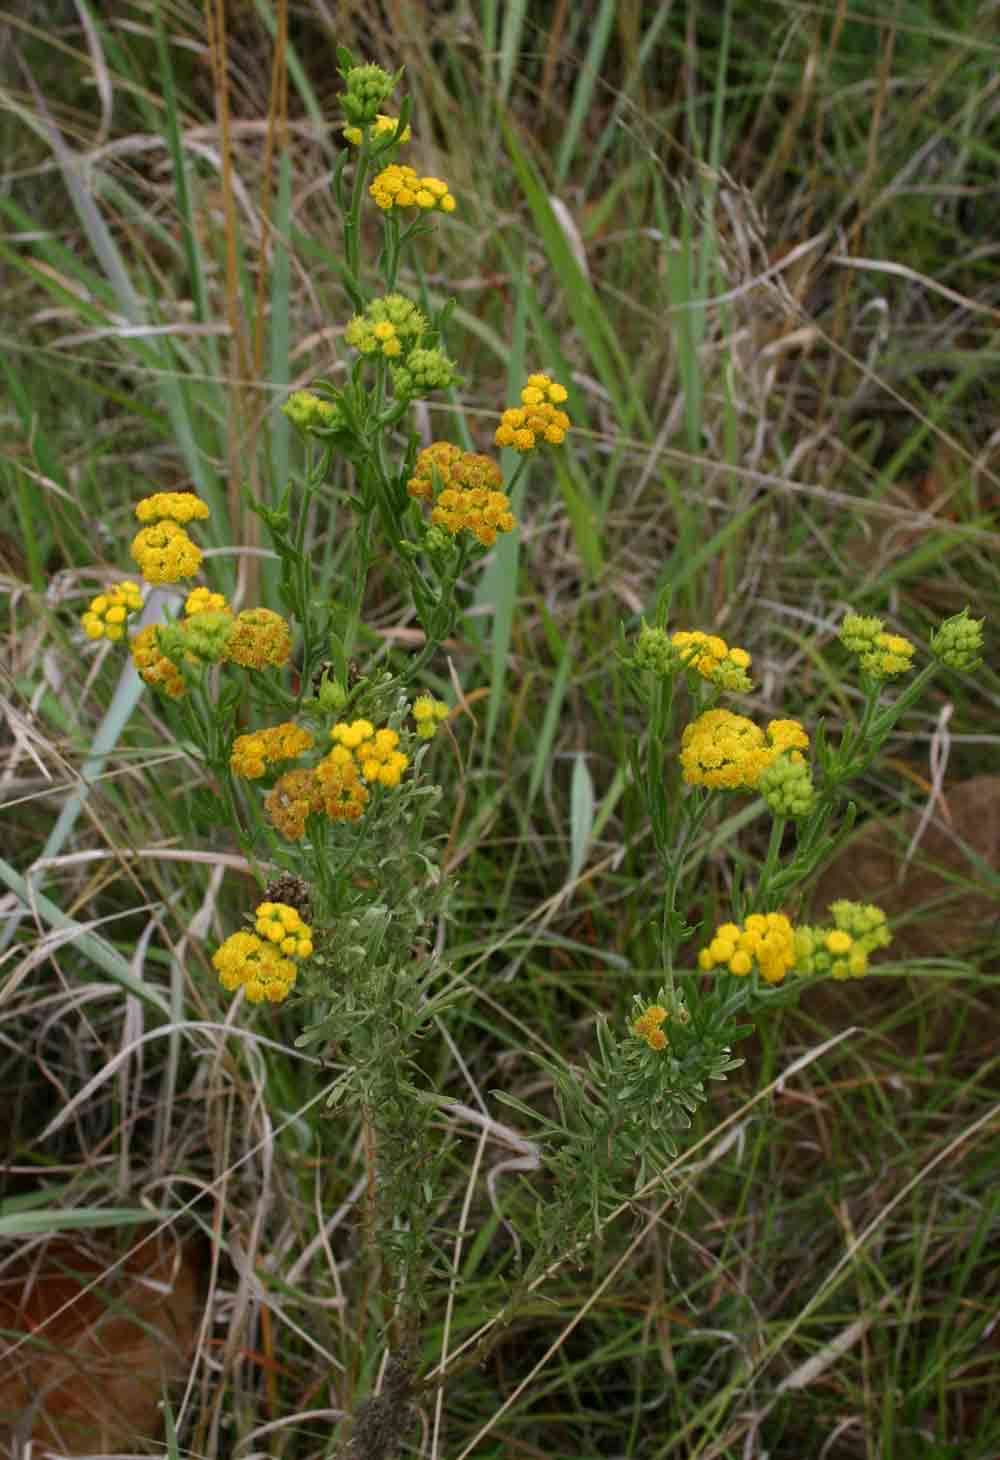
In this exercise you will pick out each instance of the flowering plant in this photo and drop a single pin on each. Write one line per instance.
(321, 771)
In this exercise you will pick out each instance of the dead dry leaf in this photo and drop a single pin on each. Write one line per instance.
(89, 1379)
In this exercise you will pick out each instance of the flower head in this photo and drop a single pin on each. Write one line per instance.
(172, 506)
(725, 751)
(246, 961)
(252, 754)
(958, 642)
(109, 611)
(281, 925)
(153, 666)
(842, 951)
(165, 553)
(398, 186)
(375, 752)
(260, 638)
(766, 940)
(203, 600)
(647, 1026)
(537, 417)
(713, 659)
(428, 713)
(295, 796)
(341, 792)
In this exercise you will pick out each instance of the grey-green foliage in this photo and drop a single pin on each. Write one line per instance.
(619, 1120)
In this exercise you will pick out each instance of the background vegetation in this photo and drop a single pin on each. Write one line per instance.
(759, 242)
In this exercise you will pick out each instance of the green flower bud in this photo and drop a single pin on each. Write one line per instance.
(367, 88)
(865, 922)
(438, 543)
(424, 371)
(654, 651)
(207, 635)
(879, 654)
(958, 642)
(787, 787)
(310, 413)
(332, 695)
(858, 634)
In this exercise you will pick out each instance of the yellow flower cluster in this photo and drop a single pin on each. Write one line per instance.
(259, 638)
(480, 512)
(879, 654)
(106, 616)
(766, 939)
(375, 751)
(246, 961)
(381, 127)
(281, 924)
(296, 794)
(428, 714)
(252, 754)
(163, 550)
(729, 752)
(340, 791)
(165, 553)
(172, 506)
(153, 667)
(536, 417)
(713, 659)
(398, 186)
(203, 600)
(647, 1026)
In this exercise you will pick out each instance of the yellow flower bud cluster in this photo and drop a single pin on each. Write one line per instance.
(398, 186)
(281, 925)
(173, 506)
(163, 550)
(389, 327)
(428, 713)
(108, 612)
(879, 654)
(766, 940)
(843, 950)
(536, 418)
(647, 1026)
(713, 659)
(725, 751)
(382, 126)
(253, 754)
